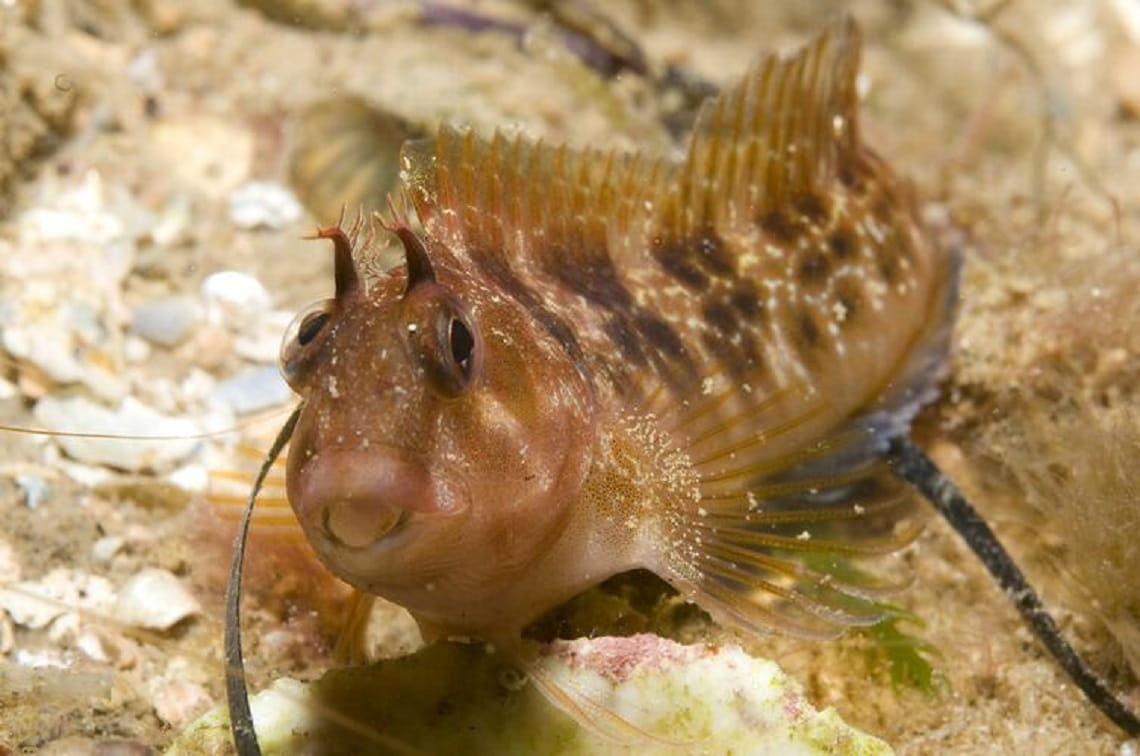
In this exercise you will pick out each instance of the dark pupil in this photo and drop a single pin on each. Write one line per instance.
(462, 343)
(311, 326)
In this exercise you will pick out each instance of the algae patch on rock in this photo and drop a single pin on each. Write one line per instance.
(455, 698)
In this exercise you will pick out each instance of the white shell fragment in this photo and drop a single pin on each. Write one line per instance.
(450, 698)
(263, 205)
(156, 600)
(174, 440)
(253, 390)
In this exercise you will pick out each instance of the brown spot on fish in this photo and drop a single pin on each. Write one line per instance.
(813, 269)
(745, 298)
(887, 262)
(666, 350)
(841, 243)
(620, 331)
(675, 258)
(737, 354)
(812, 208)
(721, 316)
(496, 268)
(806, 334)
(778, 226)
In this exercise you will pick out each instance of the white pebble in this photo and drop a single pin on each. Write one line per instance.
(155, 599)
(105, 549)
(167, 321)
(253, 390)
(263, 204)
(234, 293)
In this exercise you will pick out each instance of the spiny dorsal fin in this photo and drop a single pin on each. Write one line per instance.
(522, 199)
(782, 133)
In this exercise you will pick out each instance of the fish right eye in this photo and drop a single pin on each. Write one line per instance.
(310, 326)
(304, 331)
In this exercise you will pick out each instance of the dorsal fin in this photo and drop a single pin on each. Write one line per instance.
(513, 196)
(780, 134)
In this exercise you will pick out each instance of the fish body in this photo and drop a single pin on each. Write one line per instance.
(592, 362)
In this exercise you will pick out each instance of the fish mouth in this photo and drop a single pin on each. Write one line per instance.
(357, 498)
(351, 526)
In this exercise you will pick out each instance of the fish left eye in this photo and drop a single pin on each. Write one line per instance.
(444, 339)
(462, 346)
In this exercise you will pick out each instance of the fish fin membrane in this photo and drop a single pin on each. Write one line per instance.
(596, 716)
(808, 550)
(784, 132)
(352, 643)
(228, 490)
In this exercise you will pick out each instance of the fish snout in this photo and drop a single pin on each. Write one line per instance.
(357, 497)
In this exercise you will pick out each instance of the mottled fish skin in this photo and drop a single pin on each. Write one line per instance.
(691, 367)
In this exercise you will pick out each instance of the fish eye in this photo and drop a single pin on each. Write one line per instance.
(311, 325)
(302, 333)
(444, 340)
(462, 346)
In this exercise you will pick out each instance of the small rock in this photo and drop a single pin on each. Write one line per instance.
(263, 205)
(105, 549)
(132, 418)
(7, 634)
(178, 702)
(34, 489)
(9, 564)
(155, 599)
(231, 292)
(254, 390)
(166, 322)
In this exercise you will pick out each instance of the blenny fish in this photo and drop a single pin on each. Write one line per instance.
(590, 362)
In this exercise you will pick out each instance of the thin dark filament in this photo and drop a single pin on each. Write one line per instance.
(913, 465)
(237, 695)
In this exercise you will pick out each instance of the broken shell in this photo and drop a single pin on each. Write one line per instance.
(155, 599)
(132, 418)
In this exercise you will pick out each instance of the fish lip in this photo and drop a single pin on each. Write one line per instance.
(377, 476)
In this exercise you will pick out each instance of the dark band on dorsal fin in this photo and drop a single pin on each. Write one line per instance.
(772, 142)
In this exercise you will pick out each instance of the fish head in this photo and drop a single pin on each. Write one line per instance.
(443, 437)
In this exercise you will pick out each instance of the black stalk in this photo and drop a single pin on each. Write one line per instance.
(237, 694)
(913, 465)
